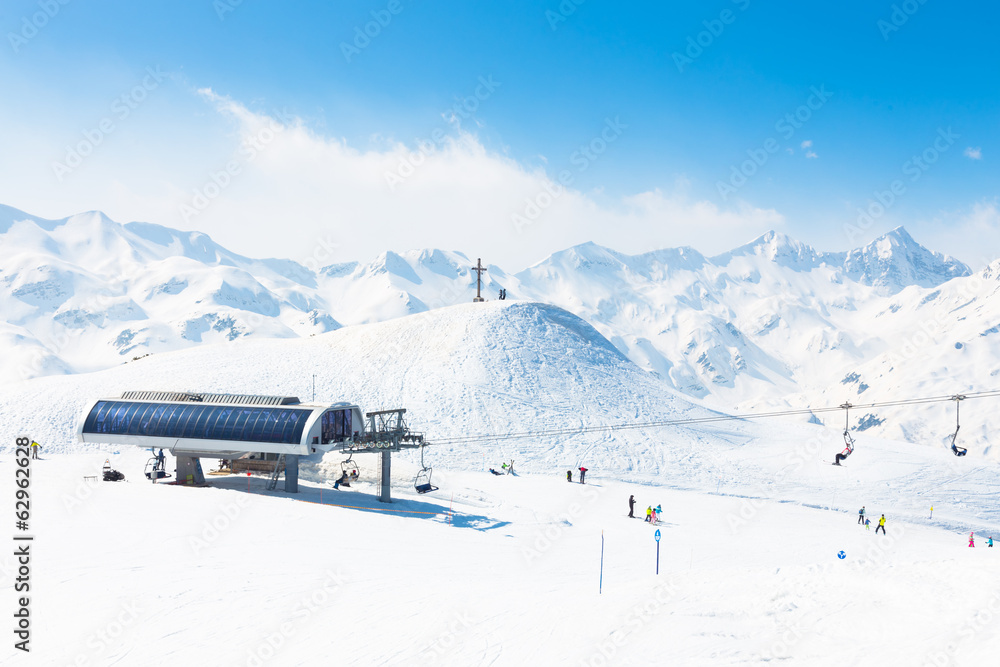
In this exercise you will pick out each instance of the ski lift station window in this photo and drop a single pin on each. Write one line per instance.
(208, 424)
(200, 422)
(336, 426)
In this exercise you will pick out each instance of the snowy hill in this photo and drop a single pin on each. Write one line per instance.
(771, 323)
(475, 369)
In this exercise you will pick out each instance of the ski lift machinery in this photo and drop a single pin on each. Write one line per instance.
(385, 432)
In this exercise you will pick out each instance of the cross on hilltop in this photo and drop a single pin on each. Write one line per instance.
(479, 269)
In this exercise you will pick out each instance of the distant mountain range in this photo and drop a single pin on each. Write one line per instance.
(770, 323)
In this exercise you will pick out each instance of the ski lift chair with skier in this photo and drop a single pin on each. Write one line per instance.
(848, 440)
(350, 468)
(958, 451)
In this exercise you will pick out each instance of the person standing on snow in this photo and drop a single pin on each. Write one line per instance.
(861, 514)
(989, 542)
(583, 471)
(972, 541)
(868, 524)
(881, 525)
(631, 506)
(569, 475)
(649, 514)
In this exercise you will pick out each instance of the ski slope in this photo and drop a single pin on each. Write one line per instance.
(500, 570)
(492, 571)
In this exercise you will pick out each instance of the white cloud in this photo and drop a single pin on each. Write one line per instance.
(811, 155)
(807, 143)
(446, 191)
(973, 153)
(266, 184)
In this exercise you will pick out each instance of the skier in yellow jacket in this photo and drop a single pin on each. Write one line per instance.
(881, 525)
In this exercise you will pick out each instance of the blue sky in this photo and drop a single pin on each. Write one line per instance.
(685, 107)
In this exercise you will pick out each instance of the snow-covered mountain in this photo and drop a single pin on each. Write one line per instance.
(84, 293)
(771, 323)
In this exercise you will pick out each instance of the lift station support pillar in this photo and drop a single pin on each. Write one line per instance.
(385, 476)
(291, 473)
(188, 471)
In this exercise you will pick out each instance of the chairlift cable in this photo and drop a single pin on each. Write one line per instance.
(707, 420)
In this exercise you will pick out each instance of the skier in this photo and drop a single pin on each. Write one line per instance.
(868, 524)
(658, 511)
(583, 471)
(881, 525)
(649, 514)
(861, 514)
(989, 543)
(495, 472)
(844, 454)
(972, 541)
(34, 449)
(569, 475)
(343, 481)
(631, 506)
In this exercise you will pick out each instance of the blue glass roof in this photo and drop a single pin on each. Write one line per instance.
(239, 423)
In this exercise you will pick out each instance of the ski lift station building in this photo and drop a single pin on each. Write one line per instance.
(227, 426)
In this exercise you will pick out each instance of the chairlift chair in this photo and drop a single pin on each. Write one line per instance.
(422, 482)
(350, 468)
(848, 439)
(958, 451)
(155, 467)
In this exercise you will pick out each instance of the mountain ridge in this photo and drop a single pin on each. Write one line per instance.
(770, 323)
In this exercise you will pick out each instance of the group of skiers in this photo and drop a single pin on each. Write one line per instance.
(505, 469)
(866, 522)
(652, 513)
(862, 519)
(972, 540)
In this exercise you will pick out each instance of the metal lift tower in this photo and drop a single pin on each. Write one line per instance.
(385, 432)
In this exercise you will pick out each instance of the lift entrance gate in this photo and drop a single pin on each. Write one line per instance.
(385, 432)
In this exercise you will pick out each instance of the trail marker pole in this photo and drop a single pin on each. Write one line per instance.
(600, 585)
(656, 536)
(248, 481)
